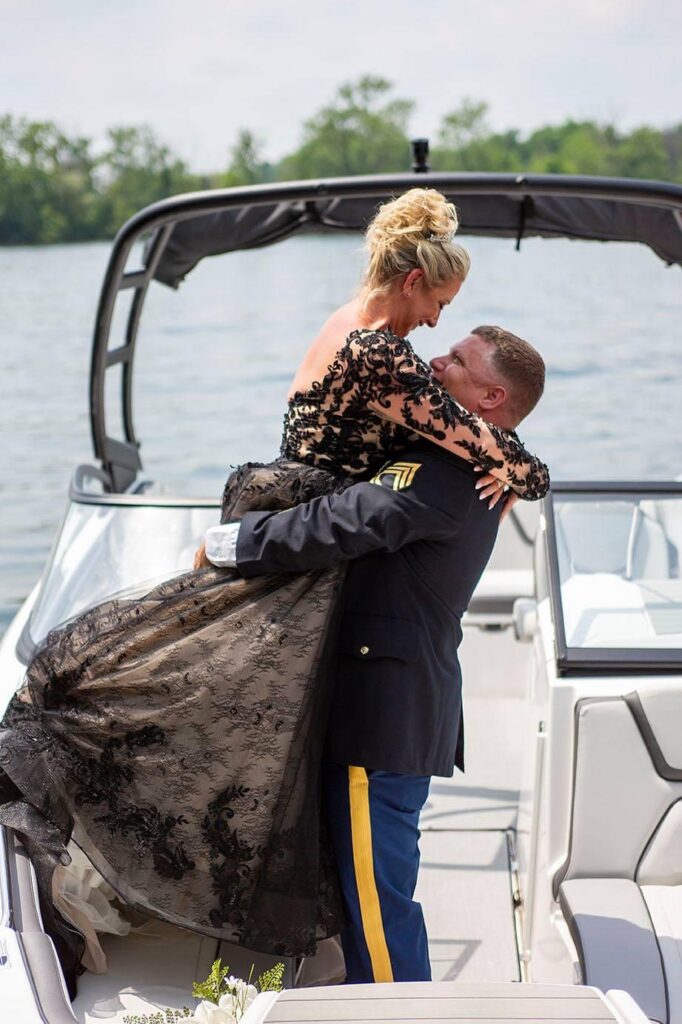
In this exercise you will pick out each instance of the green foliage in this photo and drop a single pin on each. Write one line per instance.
(46, 184)
(56, 188)
(247, 166)
(271, 981)
(464, 125)
(137, 170)
(212, 989)
(166, 1016)
(214, 986)
(576, 147)
(362, 131)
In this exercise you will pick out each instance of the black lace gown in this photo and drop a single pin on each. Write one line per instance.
(177, 737)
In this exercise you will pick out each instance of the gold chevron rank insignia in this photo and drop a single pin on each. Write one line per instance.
(400, 474)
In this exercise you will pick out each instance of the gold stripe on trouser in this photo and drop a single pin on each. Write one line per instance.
(370, 909)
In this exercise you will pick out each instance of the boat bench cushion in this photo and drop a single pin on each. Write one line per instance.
(665, 907)
(616, 942)
(661, 863)
(619, 799)
(586, 546)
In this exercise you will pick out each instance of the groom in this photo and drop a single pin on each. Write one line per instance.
(417, 539)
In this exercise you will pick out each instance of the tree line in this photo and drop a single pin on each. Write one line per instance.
(57, 188)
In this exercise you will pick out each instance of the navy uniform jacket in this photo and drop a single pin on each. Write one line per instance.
(418, 539)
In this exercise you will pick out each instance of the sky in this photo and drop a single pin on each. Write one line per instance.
(197, 71)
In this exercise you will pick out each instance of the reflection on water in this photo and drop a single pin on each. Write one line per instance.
(215, 358)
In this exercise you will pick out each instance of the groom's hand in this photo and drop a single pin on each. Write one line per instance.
(200, 559)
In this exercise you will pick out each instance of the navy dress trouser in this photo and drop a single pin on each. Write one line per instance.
(373, 822)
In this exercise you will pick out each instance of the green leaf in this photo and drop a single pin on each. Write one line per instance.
(212, 988)
(271, 981)
(167, 1016)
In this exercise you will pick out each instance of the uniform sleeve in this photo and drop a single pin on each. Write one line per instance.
(365, 517)
(400, 387)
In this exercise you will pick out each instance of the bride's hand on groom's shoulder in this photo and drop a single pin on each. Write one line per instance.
(200, 559)
(490, 487)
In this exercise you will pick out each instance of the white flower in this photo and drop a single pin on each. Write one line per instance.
(239, 998)
(208, 1013)
(230, 1006)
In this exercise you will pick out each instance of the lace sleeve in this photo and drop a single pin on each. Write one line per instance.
(399, 387)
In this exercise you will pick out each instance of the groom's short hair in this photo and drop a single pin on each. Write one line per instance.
(521, 366)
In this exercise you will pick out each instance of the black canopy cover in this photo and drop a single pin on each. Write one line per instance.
(498, 205)
(182, 230)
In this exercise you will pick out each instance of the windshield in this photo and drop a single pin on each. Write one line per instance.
(617, 558)
(103, 549)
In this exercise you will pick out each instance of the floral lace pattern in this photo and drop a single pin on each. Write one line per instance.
(177, 738)
(375, 392)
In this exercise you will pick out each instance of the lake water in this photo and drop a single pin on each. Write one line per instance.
(214, 361)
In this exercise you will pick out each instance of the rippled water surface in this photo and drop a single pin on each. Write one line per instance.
(215, 358)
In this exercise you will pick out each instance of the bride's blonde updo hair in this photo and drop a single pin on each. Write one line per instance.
(416, 230)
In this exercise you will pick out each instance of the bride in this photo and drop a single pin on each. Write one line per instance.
(175, 739)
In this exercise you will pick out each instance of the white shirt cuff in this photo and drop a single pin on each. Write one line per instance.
(221, 545)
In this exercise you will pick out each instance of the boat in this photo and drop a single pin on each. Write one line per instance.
(552, 871)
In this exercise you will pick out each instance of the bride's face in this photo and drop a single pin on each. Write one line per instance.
(417, 304)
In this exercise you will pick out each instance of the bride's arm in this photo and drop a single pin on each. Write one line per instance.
(400, 387)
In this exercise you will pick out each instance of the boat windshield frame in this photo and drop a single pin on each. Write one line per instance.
(572, 660)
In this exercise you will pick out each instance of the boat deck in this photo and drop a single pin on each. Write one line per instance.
(465, 882)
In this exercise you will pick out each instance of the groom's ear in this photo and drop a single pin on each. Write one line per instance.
(493, 397)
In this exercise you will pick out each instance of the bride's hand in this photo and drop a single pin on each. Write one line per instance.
(200, 559)
(488, 486)
(509, 503)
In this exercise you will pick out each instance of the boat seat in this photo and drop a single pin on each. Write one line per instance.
(584, 544)
(611, 928)
(635, 545)
(497, 591)
(648, 549)
(620, 887)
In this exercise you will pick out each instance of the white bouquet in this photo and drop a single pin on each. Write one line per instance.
(224, 998)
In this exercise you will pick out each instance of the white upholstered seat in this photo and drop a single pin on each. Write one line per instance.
(620, 888)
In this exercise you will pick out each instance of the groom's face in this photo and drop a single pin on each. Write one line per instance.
(466, 371)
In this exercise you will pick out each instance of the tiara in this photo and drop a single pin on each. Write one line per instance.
(440, 238)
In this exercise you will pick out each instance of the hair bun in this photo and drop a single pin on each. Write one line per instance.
(420, 213)
(415, 230)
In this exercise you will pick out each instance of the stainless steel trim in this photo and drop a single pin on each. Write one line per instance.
(529, 901)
